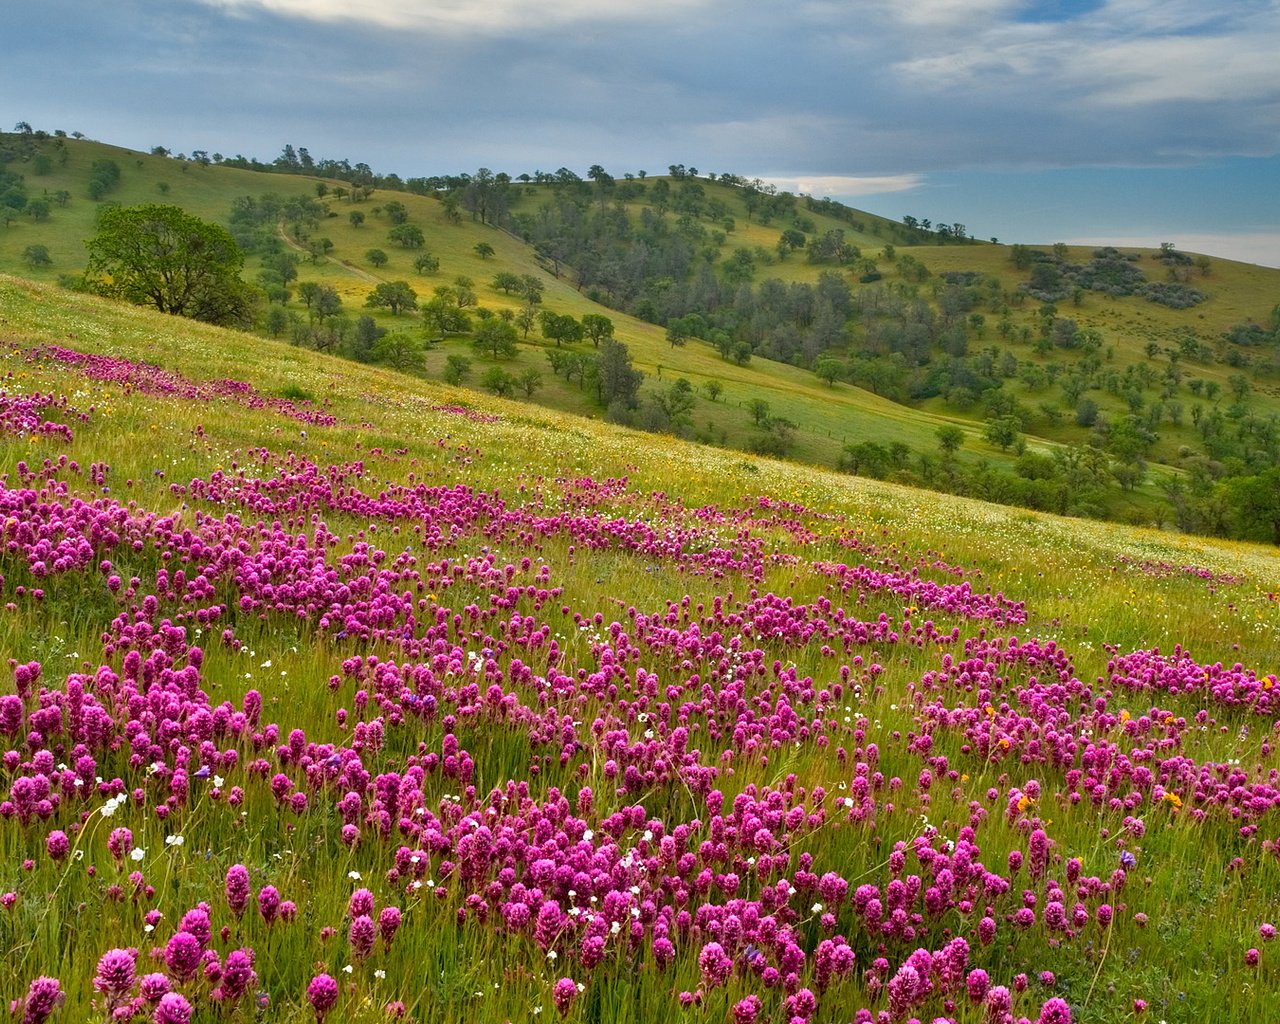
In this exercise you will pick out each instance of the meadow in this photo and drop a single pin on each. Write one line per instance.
(334, 694)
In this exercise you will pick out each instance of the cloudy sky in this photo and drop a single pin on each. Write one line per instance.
(1135, 121)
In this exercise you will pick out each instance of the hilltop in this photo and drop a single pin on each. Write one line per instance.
(1116, 384)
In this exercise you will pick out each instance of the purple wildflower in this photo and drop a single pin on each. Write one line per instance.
(153, 986)
(44, 995)
(182, 954)
(237, 888)
(268, 903)
(322, 994)
(114, 976)
(716, 965)
(1055, 1011)
(389, 924)
(362, 934)
(57, 844)
(563, 994)
(746, 1010)
(173, 1008)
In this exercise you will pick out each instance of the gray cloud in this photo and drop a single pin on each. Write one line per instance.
(821, 88)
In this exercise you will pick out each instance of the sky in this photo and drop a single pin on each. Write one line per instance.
(1085, 121)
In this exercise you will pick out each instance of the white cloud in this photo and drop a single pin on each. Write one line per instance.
(1261, 247)
(1230, 68)
(463, 17)
(1129, 52)
(845, 185)
(949, 14)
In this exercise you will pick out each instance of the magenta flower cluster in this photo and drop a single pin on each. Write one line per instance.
(152, 380)
(447, 624)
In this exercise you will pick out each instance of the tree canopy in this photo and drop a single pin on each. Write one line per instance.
(394, 295)
(162, 256)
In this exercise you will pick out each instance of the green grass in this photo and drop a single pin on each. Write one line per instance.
(1079, 590)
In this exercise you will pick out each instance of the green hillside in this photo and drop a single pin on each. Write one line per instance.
(1099, 404)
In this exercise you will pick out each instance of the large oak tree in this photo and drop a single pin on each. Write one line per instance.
(162, 256)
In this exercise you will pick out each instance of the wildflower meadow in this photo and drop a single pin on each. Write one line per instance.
(331, 695)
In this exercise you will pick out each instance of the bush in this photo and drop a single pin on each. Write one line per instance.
(1173, 294)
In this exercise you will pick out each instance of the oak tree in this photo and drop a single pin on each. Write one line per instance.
(162, 256)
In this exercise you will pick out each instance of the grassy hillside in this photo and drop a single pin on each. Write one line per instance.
(827, 418)
(1167, 372)
(334, 693)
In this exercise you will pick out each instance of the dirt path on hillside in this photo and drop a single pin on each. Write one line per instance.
(350, 268)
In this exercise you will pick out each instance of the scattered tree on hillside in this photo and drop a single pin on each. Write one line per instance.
(398, 350)
(497, 380)
(461, 292)
(367, 333)
(322, 300)
(526, 316)
(950, 439)
(677, 332)
(789, 241)
(560, 327)
(444, 317)
(393, 295)
(37, 256)
(597, 327)
(104, 175)
(277, 320)
(408, 235)
(506, 282)
(829, 369)
(495, 337)
(456, 368)
(531, 288)
(1003, 431)
(1255, 501)
(618, 382)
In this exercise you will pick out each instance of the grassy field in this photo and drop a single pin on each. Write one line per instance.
(827, 418)
(333, 694)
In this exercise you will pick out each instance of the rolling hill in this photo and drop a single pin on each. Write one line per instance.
(1098, 402)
